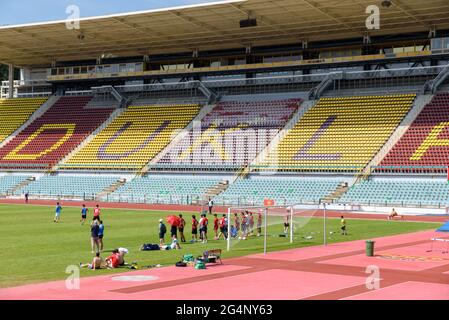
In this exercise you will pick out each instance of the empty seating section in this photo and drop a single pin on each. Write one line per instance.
(8, 182)
(425, 143)
(160, 189)
(232, 134)
(72, 186)
(53, 135)
(399, 193)
(341, 134)
(284, 191)
(15, 112)
(134, 137)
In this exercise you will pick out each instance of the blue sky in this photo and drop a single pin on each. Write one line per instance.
(28, 11)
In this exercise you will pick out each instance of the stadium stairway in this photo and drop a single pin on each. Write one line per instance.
(110, 189)
(38, 113)
(111, 118)
(21, 185)
(272, 147)
(214, 191)
(203, 112)
(337, 194)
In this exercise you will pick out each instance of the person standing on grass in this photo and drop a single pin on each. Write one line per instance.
(194, 229)
(286, 223)
(211, 205)
(173, 231)
(100, 235)
(203, 228)
(97, 212)
(182, 224)
(57, 213)
(244, 225)
(343, 226)
(94, 236)
(83, 214)
(162, 232)
(259, 224)
(223, 227)
(251, 223)
(216, 226)
(26, 197)
(236, 222)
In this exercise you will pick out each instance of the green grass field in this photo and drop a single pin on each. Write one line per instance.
(34, 249)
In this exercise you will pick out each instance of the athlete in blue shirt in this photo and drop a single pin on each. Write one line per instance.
(100, 234)
(83, 214)
(57, 212)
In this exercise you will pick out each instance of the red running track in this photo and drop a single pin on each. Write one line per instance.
(218, 209)
(337, 271)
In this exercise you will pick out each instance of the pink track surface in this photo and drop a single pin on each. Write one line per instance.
(407, 291)
(337, 271)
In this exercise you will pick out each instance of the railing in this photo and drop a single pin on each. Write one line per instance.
(397, 204)
(127, 197)
(95, 166)
(305, 168)
(25, 166)
(194, 167)
(409, 169)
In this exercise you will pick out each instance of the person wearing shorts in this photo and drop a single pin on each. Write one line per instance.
(343, 226)
(203, 228)
(259, 224)
(236, 222)
(223, 227)
(100, 235)
(83, 214)
(244, 225)
(94, 240)
(174, 231)
(216, 222)
(97, 212)
(182, 224)
(162, 231)
(113, 261)
(286, 223)
(57, 213)
(194, 229)
(97, 263)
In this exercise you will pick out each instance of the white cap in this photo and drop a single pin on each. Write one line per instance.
(160, 220)
(124, 250)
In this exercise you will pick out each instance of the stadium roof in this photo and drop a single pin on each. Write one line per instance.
(213, 26)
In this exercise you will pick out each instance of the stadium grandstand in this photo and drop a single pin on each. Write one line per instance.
(235, 101)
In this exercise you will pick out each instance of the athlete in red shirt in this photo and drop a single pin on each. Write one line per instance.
(97, 212)
(194, 229)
